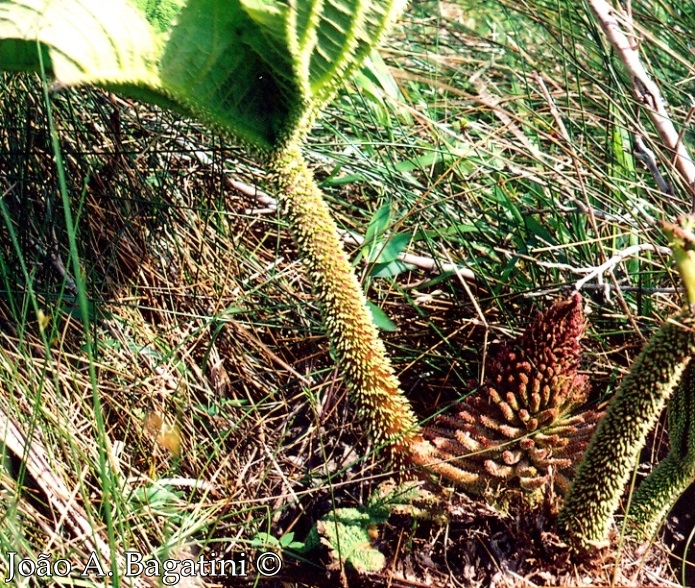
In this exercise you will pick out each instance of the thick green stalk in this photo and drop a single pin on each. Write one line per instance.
(612, 453)
(361, 355)
(659, 492)
(682, 242)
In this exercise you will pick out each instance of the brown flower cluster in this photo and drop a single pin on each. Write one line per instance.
(520, 429)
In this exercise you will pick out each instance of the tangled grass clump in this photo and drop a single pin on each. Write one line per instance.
(521, 427)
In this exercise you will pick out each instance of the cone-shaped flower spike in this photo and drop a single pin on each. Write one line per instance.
(521, 427)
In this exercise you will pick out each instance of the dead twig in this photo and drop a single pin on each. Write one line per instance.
(645, 90)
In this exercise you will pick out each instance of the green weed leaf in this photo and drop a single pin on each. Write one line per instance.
(380, 318)
(393, 248)
(391, 269)
(263, 540)
(376, 228)
(379, 223)
(286, 539)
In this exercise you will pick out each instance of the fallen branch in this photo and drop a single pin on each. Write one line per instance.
(645, 90)
(608, 266)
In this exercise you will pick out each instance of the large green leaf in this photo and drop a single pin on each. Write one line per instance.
(258, 68)
(213, 63)
(97, 42)
(326, 40)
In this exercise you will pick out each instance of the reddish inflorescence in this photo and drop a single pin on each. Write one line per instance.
(521, 427)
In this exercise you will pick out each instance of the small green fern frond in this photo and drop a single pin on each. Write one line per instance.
(347, 532)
